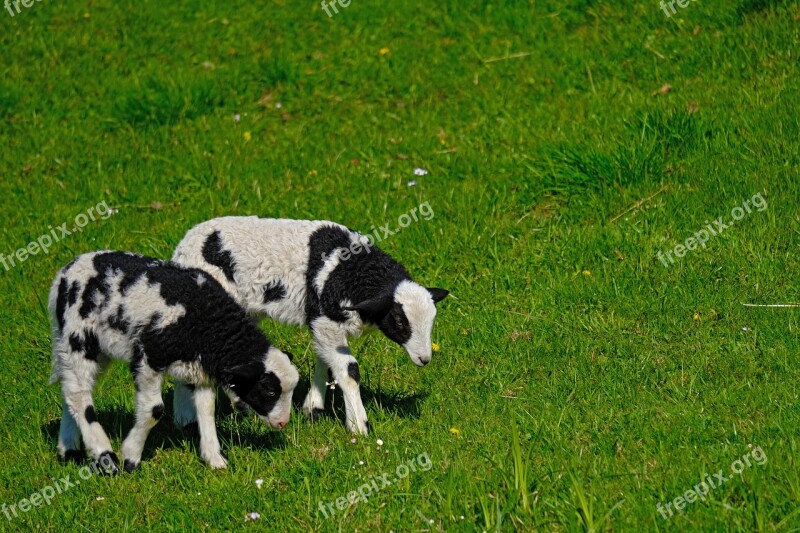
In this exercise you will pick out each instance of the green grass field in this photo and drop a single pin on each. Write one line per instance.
(581, 381)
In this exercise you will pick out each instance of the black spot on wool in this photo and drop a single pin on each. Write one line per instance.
(61, 303)
(136, 362)
(74, 289)
(215, 255)
(97, 285)
(89, 344)
(365, 275)
(118, 321)
(158, 410)
(91, 417)
(75, 342)
(353, 372)
(274, 291)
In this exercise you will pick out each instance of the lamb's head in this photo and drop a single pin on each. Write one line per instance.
(405, 316)
(266, 386)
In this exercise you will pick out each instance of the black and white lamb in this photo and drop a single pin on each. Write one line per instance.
(323, 275)
(162, 318)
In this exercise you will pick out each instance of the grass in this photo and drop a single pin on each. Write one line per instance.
(580, 382)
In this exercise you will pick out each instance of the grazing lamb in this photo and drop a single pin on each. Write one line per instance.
(160, 317)
(320, 274)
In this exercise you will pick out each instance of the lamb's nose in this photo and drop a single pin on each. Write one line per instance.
(281, 424)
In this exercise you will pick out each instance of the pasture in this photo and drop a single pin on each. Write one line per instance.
(609, 191)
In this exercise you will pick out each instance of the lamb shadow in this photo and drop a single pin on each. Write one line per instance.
(398, 403)
(117, 422)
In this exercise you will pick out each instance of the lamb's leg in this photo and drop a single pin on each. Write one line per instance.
(183, 405)
(314, 404)
(209, 444)
(330, 340)
(69, 436)
(149, 408)
(77, 383)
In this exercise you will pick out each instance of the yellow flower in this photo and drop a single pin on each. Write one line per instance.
(384, 51)
(587, 273)
(435, 347)
(454, 431)
(312, 172)
(248, 136)
(696, 317)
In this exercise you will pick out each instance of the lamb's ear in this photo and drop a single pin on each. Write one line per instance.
(438, 294)
(374, 306)
(241, 378)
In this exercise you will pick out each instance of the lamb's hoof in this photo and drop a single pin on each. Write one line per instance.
(72, 456)
(108, 463)
(218, 462)
(359, 429)
(130, 466)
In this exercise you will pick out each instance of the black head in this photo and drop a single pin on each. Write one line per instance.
(266, 386)
(405, 316)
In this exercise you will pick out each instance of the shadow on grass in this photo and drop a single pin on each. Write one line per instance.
(400, 404)
(117, 422)
(231, 429)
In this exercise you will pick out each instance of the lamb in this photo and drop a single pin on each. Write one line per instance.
(323, 275)
(161, 318)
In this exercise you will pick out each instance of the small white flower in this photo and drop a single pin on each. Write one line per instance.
(237, 117)
(251, 516)
(259, 482)
(99, 498)
(412, 183)
(430, 521)
(380, 442)
(420, 172)
(745, 328)
(462, 517)
(361, 462)
(353, 440)
(278, 105)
